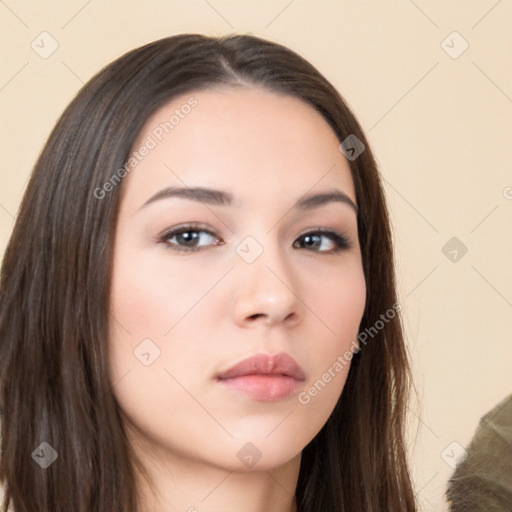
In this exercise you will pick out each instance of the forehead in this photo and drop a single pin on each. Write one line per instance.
(247, 141)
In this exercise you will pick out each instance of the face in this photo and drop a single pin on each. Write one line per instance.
(202, 282)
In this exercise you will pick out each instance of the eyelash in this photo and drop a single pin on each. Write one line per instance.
(341, 242)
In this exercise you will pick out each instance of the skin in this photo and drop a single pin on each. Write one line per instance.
(198, 308)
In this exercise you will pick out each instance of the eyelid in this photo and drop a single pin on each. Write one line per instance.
(187, 226)
(329, 231)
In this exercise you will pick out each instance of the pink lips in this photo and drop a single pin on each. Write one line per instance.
(264, 377)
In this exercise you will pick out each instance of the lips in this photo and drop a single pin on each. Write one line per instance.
(264, 364)
(264, 378)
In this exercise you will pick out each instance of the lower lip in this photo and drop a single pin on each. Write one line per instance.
(267, 388)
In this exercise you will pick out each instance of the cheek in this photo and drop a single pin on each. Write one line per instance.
(144, 306)
(149, 298)
(340, 305)
(152, 321)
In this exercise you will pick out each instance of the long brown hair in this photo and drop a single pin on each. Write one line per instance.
(55, 285)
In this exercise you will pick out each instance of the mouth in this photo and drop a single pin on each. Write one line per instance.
(264, 377)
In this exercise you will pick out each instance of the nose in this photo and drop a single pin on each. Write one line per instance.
(266, 292)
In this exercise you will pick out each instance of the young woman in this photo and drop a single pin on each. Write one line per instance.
(198, 306)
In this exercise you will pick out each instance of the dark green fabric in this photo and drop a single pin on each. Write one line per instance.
(483, 482)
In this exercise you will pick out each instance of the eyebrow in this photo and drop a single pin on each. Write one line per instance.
(222, 198)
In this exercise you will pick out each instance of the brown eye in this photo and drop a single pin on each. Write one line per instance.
(313, 239)
(187, 238)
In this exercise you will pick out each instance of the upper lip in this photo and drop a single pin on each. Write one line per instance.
(265, 364)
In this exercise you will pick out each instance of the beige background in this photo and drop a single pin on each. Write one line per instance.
(440, 128)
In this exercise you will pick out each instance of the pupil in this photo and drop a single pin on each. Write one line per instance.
(310, 240)
(189, 238)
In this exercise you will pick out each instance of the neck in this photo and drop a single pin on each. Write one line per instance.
(185, 485)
